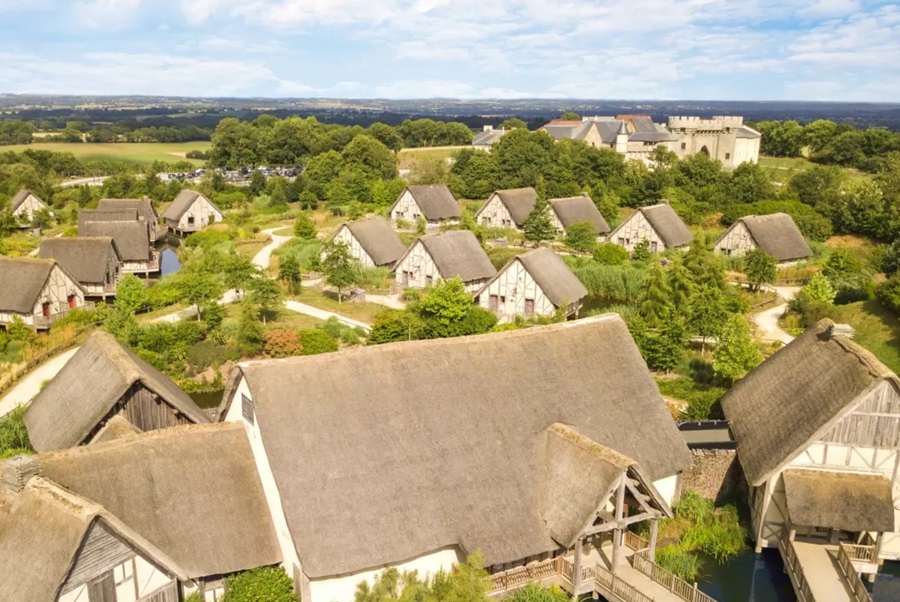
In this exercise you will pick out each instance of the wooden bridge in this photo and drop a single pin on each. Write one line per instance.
(635, 578)
(827, 573)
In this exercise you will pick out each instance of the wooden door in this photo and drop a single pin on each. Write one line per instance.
(45, 309)
(529, 308)
(102, 589)
(494, 302)
(71, 300)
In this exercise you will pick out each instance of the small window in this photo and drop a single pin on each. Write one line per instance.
(502, 298)
(683, 145)
(653, 247)
(621, 241)
(494, 302)
(190, 220)
(247, 409)
(727, 155)
(429, 280)
(45, 309)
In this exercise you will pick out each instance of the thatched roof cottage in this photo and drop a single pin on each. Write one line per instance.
(776, 234)
(509, 443)
(36, 290)
(102, 380)
(145, 211)
(507, 208)
(190, 212)
(451, 254)
(372, 242)
(537, 283)
(25, 203)
(93, 261)
(132, 240)
(817, 428)
(190, 497)
(109, 215)
(658, 224)
(569, 211)
(434, 203)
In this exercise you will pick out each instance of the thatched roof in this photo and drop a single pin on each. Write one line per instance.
(668, 226)
(116, 428)
(144, 207)
(111, 215)
(378, 239)
(42, 529)
(21, 196)
(519, 202)
(82, 394)
(839, 500)
(457, 253)
(386, 452)
(182, 204)
(435, 201)
(132, 237)
(579, 209)
(85, 258)
(23, 280)
(777, 235)
(192, 491)
(551, 274)
(792, 397)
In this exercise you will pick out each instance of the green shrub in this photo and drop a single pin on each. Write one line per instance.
(412, 294)
(167, 291)
(317, 341)
(393, 325)
(14, 435)
(613, 283)
(206, 354)
(500, 256)
(267, 584)
(209, 238)
(342, 332)
(610, 254)
(281, 343)
(683, 564)
(81, 316)
(889, 293)
(535, 593)
(702, 400)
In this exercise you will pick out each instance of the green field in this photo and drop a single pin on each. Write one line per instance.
(407, 157)
(875, 328)
(123, 152)
(780, 169)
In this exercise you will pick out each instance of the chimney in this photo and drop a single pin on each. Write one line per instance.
(16, 472)
(841, 330)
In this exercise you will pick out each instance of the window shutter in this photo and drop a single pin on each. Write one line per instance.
(247, 409)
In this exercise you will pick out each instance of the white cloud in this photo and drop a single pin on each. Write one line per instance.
(106, 14)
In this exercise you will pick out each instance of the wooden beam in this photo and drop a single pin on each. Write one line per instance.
(620, 511)
(654, 524)
(603, 527)
(576, 568)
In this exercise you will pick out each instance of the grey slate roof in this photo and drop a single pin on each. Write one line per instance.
(552, 275)
(777, 235)
(182, 203)
(378, 239)
(579, 209)
(488, 137)
(21, 281)
(458, 253)
(84, 258)
(85, 391)
(665, 221)
(519, 202)
(435, 201)
(132, 237)
(192, 491)
(21, 196)
(776, 410)
(430, 444)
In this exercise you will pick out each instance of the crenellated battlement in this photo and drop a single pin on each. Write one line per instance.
(719, 122)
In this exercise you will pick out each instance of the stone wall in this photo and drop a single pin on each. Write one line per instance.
(716, 474)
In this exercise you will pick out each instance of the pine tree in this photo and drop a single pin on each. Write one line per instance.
(707, 313)
(304, 227)
(735, 355)
(682, 287)
(250, 330)
(538, 225)
(656, 305)
(818, 290)
(289, 272)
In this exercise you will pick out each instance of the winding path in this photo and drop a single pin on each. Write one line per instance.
(767, 321)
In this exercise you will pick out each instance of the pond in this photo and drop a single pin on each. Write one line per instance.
(748, 577)
(207, 399)
(168, 255)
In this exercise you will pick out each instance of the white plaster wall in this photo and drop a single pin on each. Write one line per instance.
(136, 266)
(202, 210)
(406, 208)
(746, 150)
(635, 229)
(736, 241)
(494, 213)
(356, 250)
(342, 589)
(79, 594)
(28, 207)
(667, 488)
(513, 285)
(419, 264)
(149, 578)
(557, 223)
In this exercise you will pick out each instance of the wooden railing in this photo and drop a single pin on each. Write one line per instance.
(636, 542)
(601, 580)
(792, 565)
(521, 576)
(670, 581)
(846, 555)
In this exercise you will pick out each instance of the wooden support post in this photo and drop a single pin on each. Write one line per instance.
(576, 569)
(877, 553)
(618, 534)
(654, 524)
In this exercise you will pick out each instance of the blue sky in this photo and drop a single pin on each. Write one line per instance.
(604, 49)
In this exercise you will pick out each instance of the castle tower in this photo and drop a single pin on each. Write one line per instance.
(622, 139)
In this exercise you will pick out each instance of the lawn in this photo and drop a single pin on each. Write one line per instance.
(875, 328)
(288, 320)
(364, 312)
(124, 152)
(780, 169)
(407, 157)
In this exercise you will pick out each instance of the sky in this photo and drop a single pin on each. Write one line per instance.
(836, 50)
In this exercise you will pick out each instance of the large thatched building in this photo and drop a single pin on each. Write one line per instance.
(149, 517)
(92, 261)
(451, 254)
(817, 427)
(507, 208)
(537, 283)
(132, 240)
(434, 203)
(191, 211)
(145, 211)
(658, 224)
(512, 443)
(37, 291)
(776, 234)
(102, 380)
(372, 242)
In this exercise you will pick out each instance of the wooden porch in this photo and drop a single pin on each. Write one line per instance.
(631, 577)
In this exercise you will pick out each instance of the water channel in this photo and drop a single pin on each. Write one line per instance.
(168, 255)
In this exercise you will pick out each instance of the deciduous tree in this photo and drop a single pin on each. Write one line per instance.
(760, 268)
(735, 355)
(337, 265)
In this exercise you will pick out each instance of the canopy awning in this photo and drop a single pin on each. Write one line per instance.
(839, 500)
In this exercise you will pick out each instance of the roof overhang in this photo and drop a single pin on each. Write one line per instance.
(839, 500)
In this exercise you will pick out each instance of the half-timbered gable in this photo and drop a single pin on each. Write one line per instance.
(537, 283)
(25, 204)
(580, 457)
(190, 212)
(507, 208)
(432, 202)
(659, 225)
(92, 261)
(372, 242)
(820, 417)
(36, 290)
(145, 211)
(569, 211)
(104, 379)
(452, 254)
(776, 234)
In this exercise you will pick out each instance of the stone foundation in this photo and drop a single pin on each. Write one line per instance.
(716, 474)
